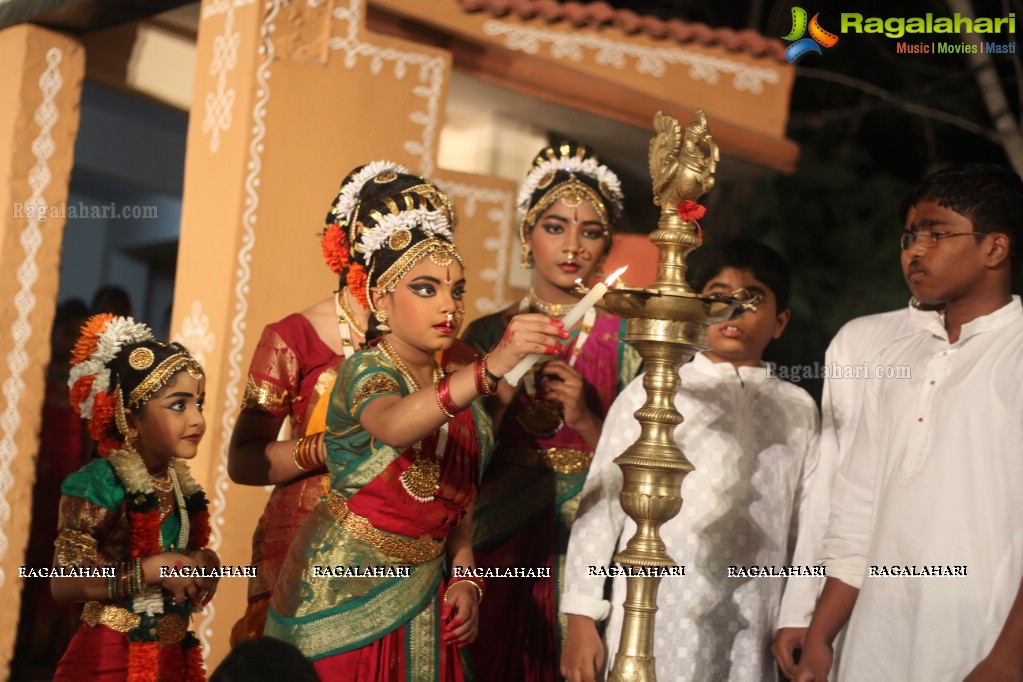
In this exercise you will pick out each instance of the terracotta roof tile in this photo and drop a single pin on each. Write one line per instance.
(602, 14)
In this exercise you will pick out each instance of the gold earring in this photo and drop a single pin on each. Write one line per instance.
(527, 257)
(120, 418)
(381, 316)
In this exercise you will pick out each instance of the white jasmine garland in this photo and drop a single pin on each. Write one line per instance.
(130, 468)
(149, 601)
(118, 333)
(349, 195)
(132, 471)
(573, 164)
(433, 222)
(188, 485)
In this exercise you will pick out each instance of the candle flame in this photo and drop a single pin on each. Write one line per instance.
(615, 275)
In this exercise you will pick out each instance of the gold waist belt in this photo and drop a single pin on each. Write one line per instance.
(170, 629)
(417, 551)
(561, 460)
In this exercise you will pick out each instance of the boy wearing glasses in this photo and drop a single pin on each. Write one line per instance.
(924, 548)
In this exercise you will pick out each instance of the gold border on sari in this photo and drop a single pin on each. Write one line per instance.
(559, 460)
(414, 551)
(266, 397)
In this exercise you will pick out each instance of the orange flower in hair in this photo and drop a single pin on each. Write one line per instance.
(357, 283)
(335, 248)
(102, 415)
(88, 338)
(106, 445)
(80, 391)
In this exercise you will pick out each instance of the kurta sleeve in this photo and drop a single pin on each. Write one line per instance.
(599, 522)
(89, 504)
(847, 539)
(274, 380)
(813, 500)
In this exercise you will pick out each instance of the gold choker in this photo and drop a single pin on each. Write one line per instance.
(555, 310)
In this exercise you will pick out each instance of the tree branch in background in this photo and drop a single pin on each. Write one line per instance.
(1009, 136)
(901, 102)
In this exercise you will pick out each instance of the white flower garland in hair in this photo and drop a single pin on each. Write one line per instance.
(118, 333)
(349, 195)
(434, 222)
(604, 175)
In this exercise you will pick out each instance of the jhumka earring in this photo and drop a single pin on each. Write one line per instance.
(381, 316)
(527, 257)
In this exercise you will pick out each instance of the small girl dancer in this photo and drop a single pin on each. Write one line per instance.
(132, 520)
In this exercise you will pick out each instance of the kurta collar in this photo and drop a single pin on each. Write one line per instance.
(1007, 314)
(727, 371)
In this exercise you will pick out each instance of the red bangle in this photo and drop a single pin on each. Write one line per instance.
(442, 390)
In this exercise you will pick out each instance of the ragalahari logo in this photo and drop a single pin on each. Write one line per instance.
(818, 36)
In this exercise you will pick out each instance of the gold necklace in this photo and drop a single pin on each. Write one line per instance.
(555, 310)
(163, 485)
(422, 478)
(344, 310)
(393, 356)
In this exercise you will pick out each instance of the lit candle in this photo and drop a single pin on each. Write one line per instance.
(574, 315)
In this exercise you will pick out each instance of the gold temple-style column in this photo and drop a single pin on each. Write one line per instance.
(667, 323)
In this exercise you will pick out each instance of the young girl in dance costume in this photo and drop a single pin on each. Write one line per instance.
(548, 428)
(291, 377)
(406, 446)
(133, 524)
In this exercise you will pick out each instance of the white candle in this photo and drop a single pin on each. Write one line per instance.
(574, 315)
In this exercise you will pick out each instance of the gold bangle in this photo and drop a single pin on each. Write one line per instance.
(479, 590)
(484, 385)
(296, 452)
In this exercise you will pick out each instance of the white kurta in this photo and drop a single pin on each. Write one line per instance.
(851, 352)
(934, 478)
(750, 438)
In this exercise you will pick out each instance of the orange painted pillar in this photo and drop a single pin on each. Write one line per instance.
(42, 73)
(288, 98)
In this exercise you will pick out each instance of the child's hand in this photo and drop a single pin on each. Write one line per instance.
(208, 559)
(526, 334)
(815, 662)
(460, 615)
(181, 587)
(786, 643)
(582, 658)
(565, 385)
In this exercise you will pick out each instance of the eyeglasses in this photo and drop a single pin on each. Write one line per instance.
(930, 238)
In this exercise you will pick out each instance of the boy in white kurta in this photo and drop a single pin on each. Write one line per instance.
(925, 544)
(851, 360)
(750, 437)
